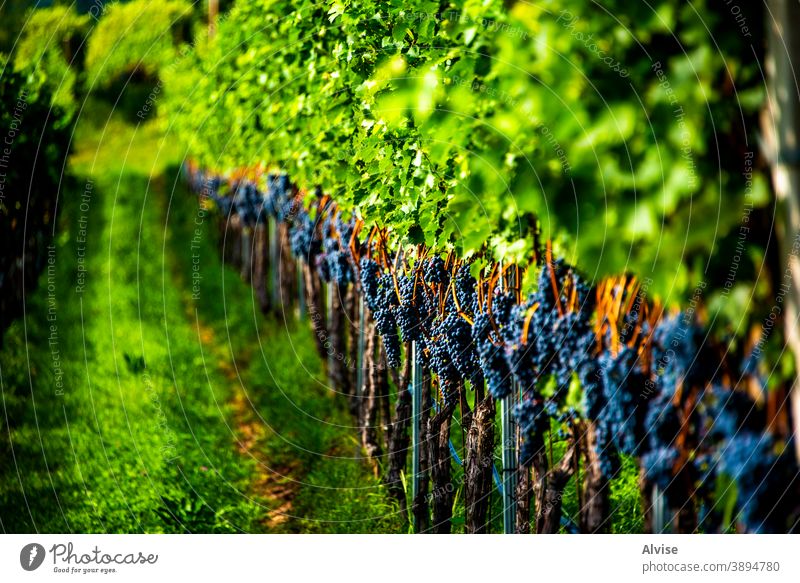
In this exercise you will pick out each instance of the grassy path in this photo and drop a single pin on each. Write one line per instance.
(138, 399)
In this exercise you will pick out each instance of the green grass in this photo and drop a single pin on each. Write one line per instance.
(158, 387)
(305, 423)
(123, 449)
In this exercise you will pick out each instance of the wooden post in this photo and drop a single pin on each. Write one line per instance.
(274, 263)
(781, 128)
(301, 293)
(213, 11)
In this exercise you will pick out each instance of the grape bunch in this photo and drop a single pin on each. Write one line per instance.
(522, 355)
(224, 203)
(533, 419)
(731, 412)
(659, 467)
(658, 451)
(466, 293)
(303, 238)
(492, 358)
(435, 272)
(546, 338)
(381, 298)
(333, 264)
(453, 354)
(624, 389)
(766, 481)
(370, 273)
(279, 200)
(415, 311)
(249, 203)
(680, 353)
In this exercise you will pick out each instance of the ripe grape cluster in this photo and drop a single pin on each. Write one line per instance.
(370, 275)
(304, 238)
(453, 354)
(624, 389)
(764, 479)
(415, 310)
(491, 353)
(248, 202)
(334, 263)
(435, 272)
(533, 419)
(280, 200)
(549, 338)
(381, 297)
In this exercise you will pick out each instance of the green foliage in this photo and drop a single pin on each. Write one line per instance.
(35, 144)
(139, 36)
(456, 124)
(12, 15)
(49, 52)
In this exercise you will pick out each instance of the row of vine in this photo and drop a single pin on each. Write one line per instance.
(601, 372)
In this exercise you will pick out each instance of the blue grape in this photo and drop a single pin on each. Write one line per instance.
(766, 481)
(435, 272)
(659, 466)
(492, 358)
(533, 421)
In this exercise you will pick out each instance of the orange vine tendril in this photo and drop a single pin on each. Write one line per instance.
(353, 237)
(453, 290)
(528, 317)
(551, 267)
(467, 318)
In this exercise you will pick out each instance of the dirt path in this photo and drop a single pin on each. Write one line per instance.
(278, 485)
